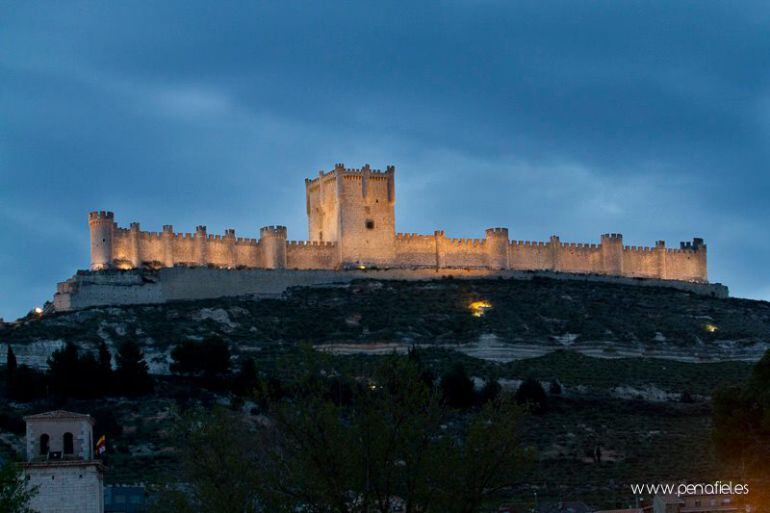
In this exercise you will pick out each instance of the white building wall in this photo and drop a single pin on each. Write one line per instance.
(67, 489)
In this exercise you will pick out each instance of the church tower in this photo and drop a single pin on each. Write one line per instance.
(356, 209)
(61, 463)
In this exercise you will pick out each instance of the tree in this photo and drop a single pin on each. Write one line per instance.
(15, 494)
(554, 388)
(28, 384)
(246, 379)
(741, 415)
(531, 394)
(10, 367)
(209, 358)
(484, 462)
(490, 391)
(71, 374)
(63, 371)
(458, 388)
(221, 466)
(132, 372)
(315, 454)
(390, 443)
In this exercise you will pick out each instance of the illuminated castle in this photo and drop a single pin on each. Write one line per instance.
(351, 224)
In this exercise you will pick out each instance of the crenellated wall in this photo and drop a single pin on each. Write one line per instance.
(311, 255)
(351, 223)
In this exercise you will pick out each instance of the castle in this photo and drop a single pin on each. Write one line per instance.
(351, 225)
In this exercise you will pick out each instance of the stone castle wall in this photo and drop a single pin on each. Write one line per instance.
(351, 223)
(98, 288)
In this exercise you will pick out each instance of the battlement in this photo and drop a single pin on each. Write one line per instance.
(101, 215)
(578, 245)
(465, 241)
(643, 249)
(497, 232)
(352, 173)
(351, 223)
(529, 243)
(415, 236)
(273, 231)
(312, 243)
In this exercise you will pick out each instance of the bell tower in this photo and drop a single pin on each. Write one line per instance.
(61, 463)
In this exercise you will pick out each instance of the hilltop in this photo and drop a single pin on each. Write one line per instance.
(635, 365)
(526, 318)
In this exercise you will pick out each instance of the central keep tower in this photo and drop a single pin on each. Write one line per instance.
(356, 209)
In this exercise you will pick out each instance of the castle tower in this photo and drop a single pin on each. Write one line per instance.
(612, 254)
(201, 241)
(272, 240)
(701, 257)
(61, 463)
(696, 254)
(168, 245)
(497, 248)
(356, 209)
(660, 259)
(232, 256)
(101, 224)
(134, 254)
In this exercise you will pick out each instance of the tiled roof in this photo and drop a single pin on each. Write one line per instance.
(57, 414)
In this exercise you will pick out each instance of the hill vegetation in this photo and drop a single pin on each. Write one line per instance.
(599, 417)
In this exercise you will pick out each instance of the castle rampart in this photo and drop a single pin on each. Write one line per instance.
(351, 224)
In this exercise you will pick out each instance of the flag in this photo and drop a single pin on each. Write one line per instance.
(101, 445)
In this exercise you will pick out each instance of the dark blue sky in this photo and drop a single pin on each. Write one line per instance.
(569, 118)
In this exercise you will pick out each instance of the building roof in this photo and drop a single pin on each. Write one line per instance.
(58, 414)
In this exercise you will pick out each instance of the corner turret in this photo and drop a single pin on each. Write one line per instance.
(497, 248)
(612, 253)
(272, 239)
(101, 224)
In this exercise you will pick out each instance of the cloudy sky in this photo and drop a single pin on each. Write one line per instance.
(570, 118)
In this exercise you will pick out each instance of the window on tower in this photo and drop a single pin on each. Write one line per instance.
(369, 224)
(69, 443)
(44, 444)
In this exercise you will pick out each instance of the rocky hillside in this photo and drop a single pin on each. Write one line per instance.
(516, 319)
(635, 366)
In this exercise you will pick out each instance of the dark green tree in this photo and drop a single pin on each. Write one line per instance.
(64, 373)
(316, 454)
(10, 368)
(15, 494)
(741, 415)
(532, 395)
(209, 358)
(132, 372)
(221, 465)
(490, 391)
(246, 380)
(458, 388)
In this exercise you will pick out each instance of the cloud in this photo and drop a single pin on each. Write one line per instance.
(574, 119)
